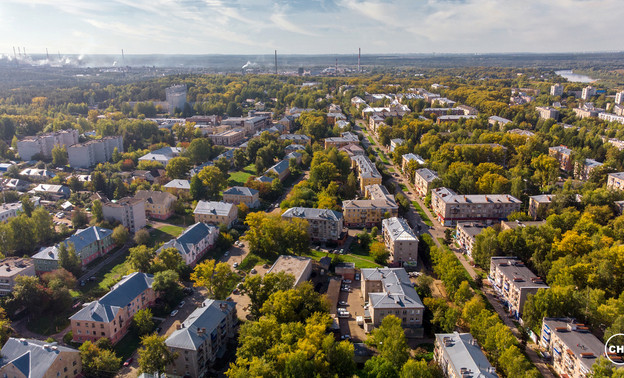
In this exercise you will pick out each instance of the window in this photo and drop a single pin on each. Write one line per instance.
(101, 325)
(74, 363)
(77, 324)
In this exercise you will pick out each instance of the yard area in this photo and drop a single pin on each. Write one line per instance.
(360, 261)
(164, 233)
(240, 177)
(422, 214)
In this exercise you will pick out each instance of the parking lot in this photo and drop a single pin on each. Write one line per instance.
(348, 326)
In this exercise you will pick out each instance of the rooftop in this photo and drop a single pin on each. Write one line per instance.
(449, 196)
(463, 352)
(398, 289)
(578, 340)
(295, 265)
(518, 273)
(427, 174)
(213, 207)
(398, 229)
(241, 191)
(12, 266)
(31, 357)
(417, 158)
(152, 196)
(312, 213)
(471, 228)
(617, 175)
(178, 184)
(191, 236)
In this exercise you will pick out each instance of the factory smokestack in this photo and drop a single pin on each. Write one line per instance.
(123, 58)
(47, 55)
(276, 62)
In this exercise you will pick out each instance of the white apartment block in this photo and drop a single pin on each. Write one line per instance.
(130, 212)
(451, 207)
(43, 144)
(423, 179)
(400, 240)
(88, 154)
(609, 117)
(546, 112)
(615, 181)
(459, 356)
(9, 210)
(619, 98)
(556, 90)
(176, 97)
(588, 92)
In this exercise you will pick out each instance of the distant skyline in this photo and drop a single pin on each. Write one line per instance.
(309, 26)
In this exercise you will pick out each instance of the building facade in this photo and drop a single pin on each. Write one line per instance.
(213, 212)
(26, 358)
(242, 194)
(43, 144)
(10, 269)
(158, 205)
(366, 171)
(459, 356)
(400, 240)
(466, 235)
(194, 242)
(423, 180)
(130, 212)
(88, 154)
(323, 225)
(300, 267)
(615, 181)
(538, 205)
(10, 210)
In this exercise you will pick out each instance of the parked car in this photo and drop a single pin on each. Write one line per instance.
(357, 276)
(235, 265)
(343, 303)
(235, 291)
(128, 361)
(345, 337)
(346, 281)
(341, 309)
(226, 254)
(343, 314)
(182, 304)
(253, 271)
(174, 313)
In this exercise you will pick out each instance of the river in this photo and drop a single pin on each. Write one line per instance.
(577, 78)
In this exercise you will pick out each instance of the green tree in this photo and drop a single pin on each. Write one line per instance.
(142, 321)
(259, 289)
(5, 326)
(96, 211)
(154, 355)
(270, 236)
(140, 258)
(29, 292)
(197, 189)
(120, 235)
(217, 278)
(413, 368)
(59, 156)
(214, 181)
(169, 259)
(240, 158)
(295, 305)
(379, 252)
(199, 151)
(68, 259)
(99, 363)
(142, 237)
(44, 225)
(79, 218)
(178, 167)
(389, 339)
(167, 283)
(380, 367)
(463, 293)
(27, 206)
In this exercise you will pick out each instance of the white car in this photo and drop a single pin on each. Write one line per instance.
(174, 312)
(346, 281)
(343, 303)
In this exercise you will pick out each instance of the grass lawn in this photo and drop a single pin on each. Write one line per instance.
(126, 346)
(250, 261)
(422, 214)
(370, 139)
(404, 188)
(240, 177)
(110, 274)
(359, 261)
(164, 233)
(49, 324)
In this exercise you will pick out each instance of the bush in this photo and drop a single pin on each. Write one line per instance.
(68, 337)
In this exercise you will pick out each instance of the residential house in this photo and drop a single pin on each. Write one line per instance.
(608, 117)
(494, 120)
(89, 244)
(296, 138)
(573, 347)
(38, 174)
(178, 186)
(352, 150)
(229, 137)
(389, 291)
(405, 160)
(242, 194)
(155, 176)
(293, 147)
(346, 138)
(546, 112)
(459, 356)
(294, 155)
(10, 210)
(281, 169)
(202, 338)
(14, 184)
(525, 133)
(323, 225)
(453, 118)
(370, 212)
(162, 155)
(30, 358)
(90, 153)
(423, 180)
(193, 243)
(564, 156)
(514, 282)
(466, 235)
(213, 212)
(615, 181)
(158, 205)
(366, 170)
(451, 208)
(400, 240)
(396, 142)
(111, 315)
(10, 269)
(583, 170)
(128, 211)
(54, 191)
(299, 267)
(30, 146)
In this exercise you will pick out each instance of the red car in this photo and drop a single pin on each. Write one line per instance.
(128, 361)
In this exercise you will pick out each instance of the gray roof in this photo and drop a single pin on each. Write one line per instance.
(463, 352)
(410, 156)
(190, 237)
(213, 207)
(398, 289)
(241, 191)
(578, 340)
(398, 229)
(617, 175)
(562, 149)
(398, 141)
(30, 357)
(152, 196)
(498, 119)
(294, 137)
(366, 167)
(47, 253)
(293, 155)
(427, 174)
(80, 239)
(312, 213)
(542, 198)
(294, 147)
(126, 290)
(178, 184)
(449, 196)
(518, 273)
(208, 317)
(280, 167)
(471, 228)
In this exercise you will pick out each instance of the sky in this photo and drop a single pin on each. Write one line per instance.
(310, 26)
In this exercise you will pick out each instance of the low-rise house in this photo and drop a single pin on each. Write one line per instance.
(405, 160)
(466, 235)
(323, 225)
(30, 358)
(546, 112)
(213, 212)
(512, 225)
(162, 155)
(14, 184)
(514, 282)
(494, 120)
(389, 291)
(155, 176)
(396, 142)
(193, 243)
(202, 338)
(111, 315)
(296, 138)
(451, 208)
(10, 269)
(294, 155)
(128, 211)
(573, 347)
(242, 194)
(89, 244)
(293, 147)
(459, 356)
(615, 181)
(38, 174)
(178, 186)
(55, 191)
(158, 205)
(299, 267)
(538, 205)
(423, 180)
(281, 169)
(400, 240)
(524, 133)
(583, 170)
(10, 210)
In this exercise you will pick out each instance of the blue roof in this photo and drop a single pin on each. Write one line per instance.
(280, 167)
(266, 179)
(87, 236)
(190, 237)
(124, 292)
(209, 316)
(30, 357)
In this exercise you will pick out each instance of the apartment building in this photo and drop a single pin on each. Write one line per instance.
(10, 210)
(323, 225)
(538, 205)
(389, 291)
(128, 211)
(242, 194)
(229, 137)
(406, 158)
(111, 315)
(423, 181)
(615, 181)
(459, 356)
(466, 235)
(202, 338)
(450, 207)
(175, 97)
(370, 212)
(88, 154)
(546, 112)
(10, 269)
(582, 171)
(609, 117)
(573, 347)
(296, 138)
(250, 125)
(178, 186)
(556, 90)
(514, 281)
(193, 243)
(281, 169)
(453, 118)
(400, 240)
(494, 120)
(619, 98)
(43, 144)
(366, 170)
(162, 155)
(35, 358)
(300, 267)
(89, 244)
(588, 92)
(343, 140)
(443, 111)
(213, 212)
(352, 150)
(158, 205)
(396, 142)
